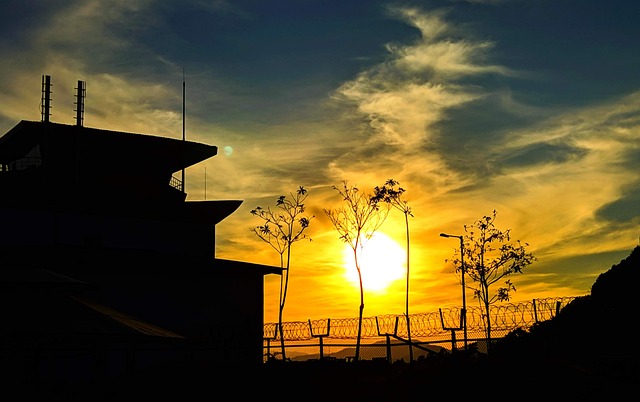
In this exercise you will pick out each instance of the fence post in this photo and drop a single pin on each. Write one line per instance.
(453, 329)
(321, 336)
(268, 340)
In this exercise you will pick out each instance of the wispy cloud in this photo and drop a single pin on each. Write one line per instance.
(405, 99)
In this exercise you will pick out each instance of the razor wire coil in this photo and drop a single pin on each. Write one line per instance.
(504, 317)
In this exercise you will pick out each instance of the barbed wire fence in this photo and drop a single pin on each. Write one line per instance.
(442, 328)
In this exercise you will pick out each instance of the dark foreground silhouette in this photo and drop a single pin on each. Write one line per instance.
(587, 352)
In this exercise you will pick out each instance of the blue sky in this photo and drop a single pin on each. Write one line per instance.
(530, 108)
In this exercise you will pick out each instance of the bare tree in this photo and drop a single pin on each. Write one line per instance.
(486, 263)
(391, 193)
(282, 227)
(356, 222)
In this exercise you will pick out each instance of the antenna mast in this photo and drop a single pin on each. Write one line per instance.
(183, 117)
(80, 95)
(46, 98)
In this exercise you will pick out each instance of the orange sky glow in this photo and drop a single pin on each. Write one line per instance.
(472, 106)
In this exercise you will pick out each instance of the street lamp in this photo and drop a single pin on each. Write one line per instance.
(464, 297)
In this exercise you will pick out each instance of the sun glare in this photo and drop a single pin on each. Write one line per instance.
(382, 262)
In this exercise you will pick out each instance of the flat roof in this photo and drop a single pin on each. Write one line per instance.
(130, 150)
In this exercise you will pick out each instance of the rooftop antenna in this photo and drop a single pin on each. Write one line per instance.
(45, 103)
(183, 130)
(80, 95)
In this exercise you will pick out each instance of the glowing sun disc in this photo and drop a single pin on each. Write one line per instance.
(382, 262)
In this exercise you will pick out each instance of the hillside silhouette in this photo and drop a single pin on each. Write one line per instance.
(593, 331)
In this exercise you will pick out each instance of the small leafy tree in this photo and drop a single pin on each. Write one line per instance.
(489, 256)
(282, 227)
(356, 222)
(391, 193)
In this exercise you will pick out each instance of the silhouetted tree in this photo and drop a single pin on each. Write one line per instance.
(356, 222)
(486, 264)
(391, 193)
(283, 227)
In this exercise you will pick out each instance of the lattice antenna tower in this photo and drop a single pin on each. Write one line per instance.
(81, 93)
(45, 102)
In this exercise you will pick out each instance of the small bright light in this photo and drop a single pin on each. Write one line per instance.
(382, 262)
(228, 150)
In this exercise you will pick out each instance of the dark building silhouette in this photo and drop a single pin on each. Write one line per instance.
(105, 268)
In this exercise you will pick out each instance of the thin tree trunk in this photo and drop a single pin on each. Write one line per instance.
(406, 221)
(284, 279)
(360, 314)
(487, 304)
(359, 332)
(284, 356)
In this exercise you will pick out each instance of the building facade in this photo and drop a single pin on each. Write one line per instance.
(102, 256)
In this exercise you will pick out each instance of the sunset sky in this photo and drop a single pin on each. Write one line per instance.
(531, 108)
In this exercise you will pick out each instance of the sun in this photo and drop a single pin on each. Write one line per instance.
(382, 262)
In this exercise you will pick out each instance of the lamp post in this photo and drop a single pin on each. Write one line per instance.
(464, 297)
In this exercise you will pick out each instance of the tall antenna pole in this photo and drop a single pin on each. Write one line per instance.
(46, 98)
(183, 117)
(80, 95)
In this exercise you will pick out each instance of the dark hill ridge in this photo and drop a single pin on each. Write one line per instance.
(591, 341)
(602, 318)
(617, 287)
